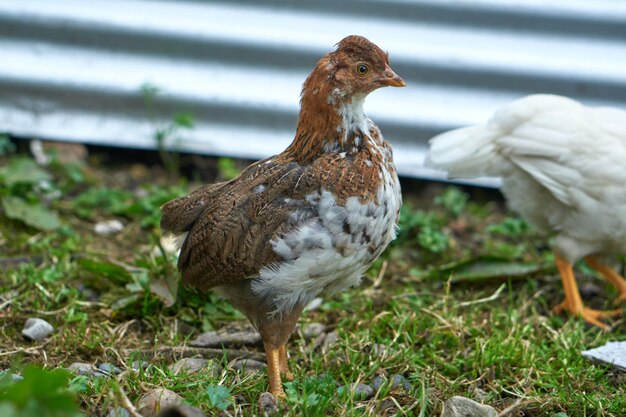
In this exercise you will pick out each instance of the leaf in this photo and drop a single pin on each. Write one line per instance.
(165, 290)
(35, 215)
(41, 393)
(486, 268)
(184, 120)
(218, 396)
(8, 410)
(227, 168)
(23, 170)
(125, 302)
(116, 273)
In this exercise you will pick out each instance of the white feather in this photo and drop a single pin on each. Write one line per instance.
(563, 167)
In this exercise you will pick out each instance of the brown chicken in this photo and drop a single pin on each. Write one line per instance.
(305, 222)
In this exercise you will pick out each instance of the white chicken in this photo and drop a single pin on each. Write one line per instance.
(563, 168)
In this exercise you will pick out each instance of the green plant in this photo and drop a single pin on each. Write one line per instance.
(41, 393)
(227, 168)
(167, 135)
(510, 226)
(24, 188)
(6, 146)
(423, 228)
(312, 395)
(453, 200)
(218, 396)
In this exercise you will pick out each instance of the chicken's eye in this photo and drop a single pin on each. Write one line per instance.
(362, 69)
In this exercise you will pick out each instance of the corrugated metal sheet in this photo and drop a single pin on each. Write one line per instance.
(78, 70)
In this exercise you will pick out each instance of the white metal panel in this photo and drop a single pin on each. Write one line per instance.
(75, 70)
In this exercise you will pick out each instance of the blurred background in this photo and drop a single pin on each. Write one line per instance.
(223, 78)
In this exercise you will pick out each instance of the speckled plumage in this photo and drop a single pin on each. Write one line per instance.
(307, 221)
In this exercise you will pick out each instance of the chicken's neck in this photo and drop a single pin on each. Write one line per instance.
(330, 123)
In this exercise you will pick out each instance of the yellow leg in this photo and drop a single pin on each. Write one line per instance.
(284, 367)
(610, 275)
(573, 303)
(273, 371)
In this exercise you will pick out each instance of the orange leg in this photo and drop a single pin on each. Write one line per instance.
(610, 275)
(273, 371)
(284, 367)
(573, 303)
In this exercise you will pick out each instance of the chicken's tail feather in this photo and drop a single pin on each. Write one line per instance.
(466, 153)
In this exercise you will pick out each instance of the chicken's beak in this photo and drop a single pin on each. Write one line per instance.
(391, 79)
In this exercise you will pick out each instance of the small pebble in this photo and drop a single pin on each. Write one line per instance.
(331, 339)
(219, 339)
(193, 365)
(611, 353)
(181, 410)
(590, 290)
(118, 412)
(108, 227)
(319, 341)
(387, 408)
(109, 368)
(462, 407)
(82, 368)
(313, 330)
(399, 381)
(360, 390)
(379, 351)
(248, 365)
(240, 399)
(137, 365)
(14, 377)
(156, 400)
(268, 404)
(480, 394)
(36, 329)
(378, 382)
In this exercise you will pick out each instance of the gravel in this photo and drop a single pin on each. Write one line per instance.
(464, 407)
(36, 329)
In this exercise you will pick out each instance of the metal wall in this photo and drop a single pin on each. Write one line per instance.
(83, 71)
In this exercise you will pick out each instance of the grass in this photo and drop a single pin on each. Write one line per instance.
(460, 304)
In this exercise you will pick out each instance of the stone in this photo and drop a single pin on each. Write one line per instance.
(156, 400)
(181, 410)
(331, 339)
(612, 354)
(268, 404)
(464, 407)
(313, 330)
(118, 412)
(362, 391)
(83, 368)
(219, 339)
(109, 368)
(248, 365)
(398, 380)
(36, 329)
(394, 381)
(109, 227)
(379, 351)
(318, 342)
(387, 408)
(137, 365)
(193, 365)
(589, 290)
(378, 382)
(240, 399)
